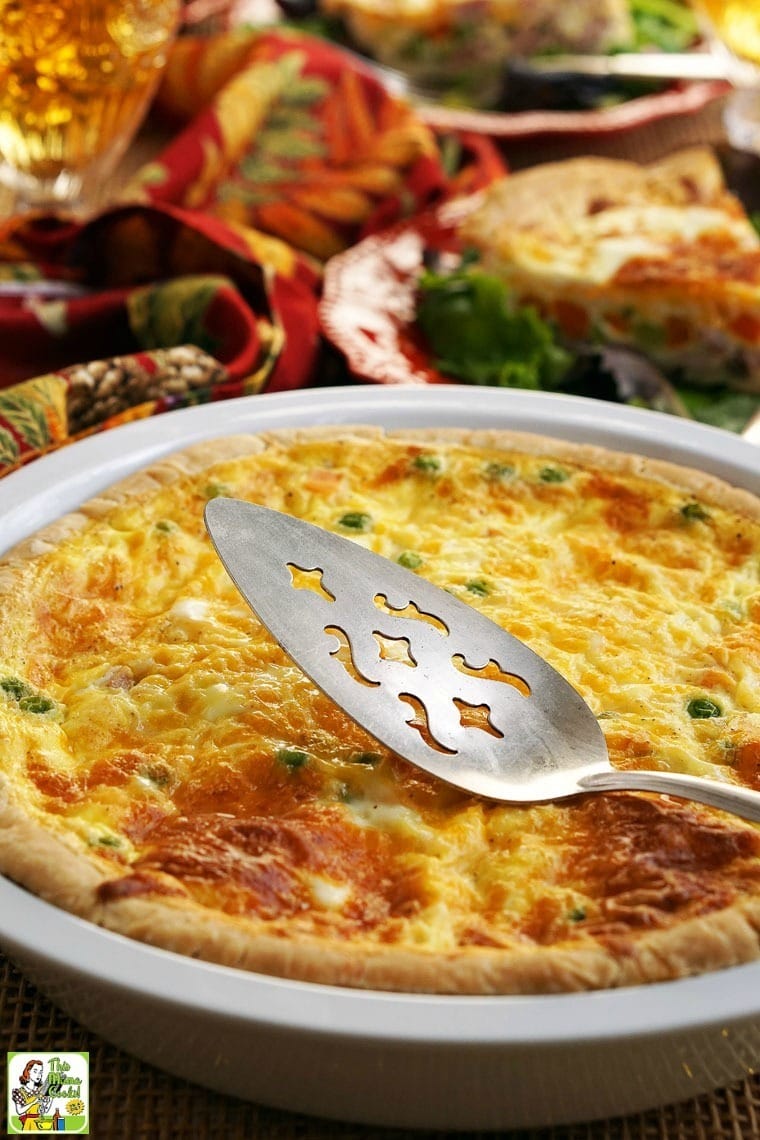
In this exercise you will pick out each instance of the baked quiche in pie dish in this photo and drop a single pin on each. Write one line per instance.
(168, 773)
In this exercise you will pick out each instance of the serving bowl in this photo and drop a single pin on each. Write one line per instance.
(404, 1060)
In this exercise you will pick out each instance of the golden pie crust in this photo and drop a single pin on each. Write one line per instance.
(169, 774)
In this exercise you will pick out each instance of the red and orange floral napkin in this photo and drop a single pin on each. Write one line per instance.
(283, 150)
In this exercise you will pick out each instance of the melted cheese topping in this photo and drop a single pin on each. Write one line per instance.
(601, 244)
(151, 722)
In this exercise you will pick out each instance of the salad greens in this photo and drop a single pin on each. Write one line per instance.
(720, 407)
(665, 24)
(477, 335)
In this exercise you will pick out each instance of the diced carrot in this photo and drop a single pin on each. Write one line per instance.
(678, 332)
(747, 327)
(572, 319)
(618, 322)
(323, 480)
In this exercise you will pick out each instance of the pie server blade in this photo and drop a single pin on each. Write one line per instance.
(427, 675)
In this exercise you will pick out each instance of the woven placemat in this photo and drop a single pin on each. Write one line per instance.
(136, 1101)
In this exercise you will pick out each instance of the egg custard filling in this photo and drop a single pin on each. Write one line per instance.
(168, 772)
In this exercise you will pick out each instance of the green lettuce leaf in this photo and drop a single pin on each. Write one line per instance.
(476, 335)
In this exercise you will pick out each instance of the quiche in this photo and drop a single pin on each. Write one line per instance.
(462, 44)
(661, 258)
(169, 773)
(544, 25)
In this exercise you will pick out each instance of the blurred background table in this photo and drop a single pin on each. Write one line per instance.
(134, 1100)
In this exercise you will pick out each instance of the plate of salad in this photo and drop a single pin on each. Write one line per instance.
(410, 306)
(457, 59)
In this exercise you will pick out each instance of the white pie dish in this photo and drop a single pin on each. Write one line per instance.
(384, 1059)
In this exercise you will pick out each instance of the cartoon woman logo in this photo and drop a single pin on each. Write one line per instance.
(31, 1099)
(48, 1093)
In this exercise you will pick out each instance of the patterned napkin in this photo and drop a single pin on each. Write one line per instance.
(284, 150)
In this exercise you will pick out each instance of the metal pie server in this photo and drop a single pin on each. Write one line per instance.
(427, 675)
(716, 65)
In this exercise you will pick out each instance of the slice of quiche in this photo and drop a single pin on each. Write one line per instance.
(662, 258)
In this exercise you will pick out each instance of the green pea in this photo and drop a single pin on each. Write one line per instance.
(15, 688)
(409, 559)
(109, 841)
(356, 520)
(366, 758)
(214, 490)
(430, 464)
(36, 704)
(292, 757)
(694, 512)
(494, 472)
(702, 708)
(553, 475)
